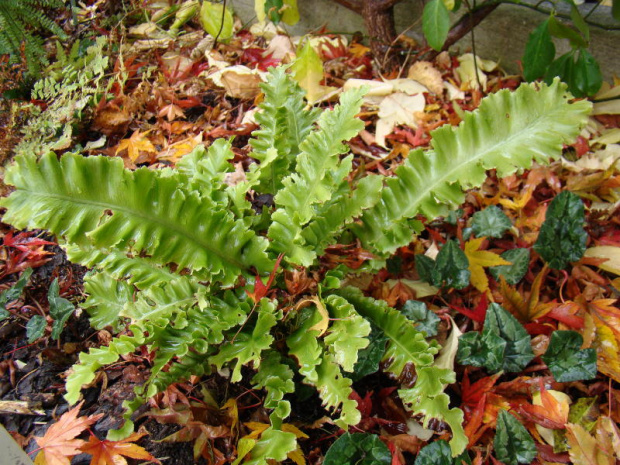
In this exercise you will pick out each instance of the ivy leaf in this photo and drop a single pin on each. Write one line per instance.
(566, 360)
(60, 309)
(35, 328)
(539, 52)
(478, 259)
(490, 222)
(512, 443)
(439, 453)
(487, 350)
(425, 320)
(519, 262)
(435, 23)
(13, 292)
(449, 270)
(562, 238)
(358, 448)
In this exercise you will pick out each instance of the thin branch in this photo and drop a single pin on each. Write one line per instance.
(385, 4)
(355, 5)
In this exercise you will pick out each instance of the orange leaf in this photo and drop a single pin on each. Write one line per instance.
(114, 452)
(58, 443)
(528, 309)
(609, 315)
(608, 348)
(135, 144)
(478, 260)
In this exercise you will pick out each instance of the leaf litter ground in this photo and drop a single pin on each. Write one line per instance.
(165, 104)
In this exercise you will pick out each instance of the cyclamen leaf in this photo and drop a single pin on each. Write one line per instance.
(438, 453)
(513, 444)
(562, 238)
(507, 132)
(35, 328)
(566, 360)
(424, 319)
(13, 292)
(368, 359)
(358, 448)
(490, 222)
(60, 309)
(450, 269)
(519, 262)
(488, 350)
(539, 52)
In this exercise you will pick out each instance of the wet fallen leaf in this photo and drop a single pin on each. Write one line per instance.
(480, 259)
(114, 452)
(136, 144)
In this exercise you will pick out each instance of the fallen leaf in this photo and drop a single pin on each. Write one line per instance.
(238, 81)
(480, 259)
(425, 73)
(135, 144)
(526, 309)
(307, 70)
(114, 452)
(397, 108)
(58, 444)
(609, 252)
(467, 71)
(584, 448)
(607, 348)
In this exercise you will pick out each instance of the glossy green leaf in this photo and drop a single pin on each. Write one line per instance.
(277, 379)
(450, 269)
(587, 76)
(579, 22)
(539, 52)
(435, 23)
(425, 320)
(35, 328)
(513, 444)
(503, 345)
(217, 20)
(60, 309)
(273, 444)
(566, 360)
(562, 238)
(562, 31)
(358, 448)
(438, 453)
(13, 292)
(490, 222)
(519, 263)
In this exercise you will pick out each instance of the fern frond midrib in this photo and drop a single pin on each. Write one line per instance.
(134, 213)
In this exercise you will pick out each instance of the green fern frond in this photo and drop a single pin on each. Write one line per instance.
(277, 379)
(95, 201)
(507, 132)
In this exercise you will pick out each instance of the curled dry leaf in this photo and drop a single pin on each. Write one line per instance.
(425, 73)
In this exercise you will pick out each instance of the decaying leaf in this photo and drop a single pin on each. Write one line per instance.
(106, 452)
(397, 108)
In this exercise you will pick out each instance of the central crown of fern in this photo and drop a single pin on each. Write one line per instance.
(167, 247)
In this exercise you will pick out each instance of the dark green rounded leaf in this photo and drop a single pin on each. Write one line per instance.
(358, 448)
(587, 77)
(562, 238)
(566, 360)
(513, 273)
(490, 222)
(369, 358)
(425, 319)
(513, 444)
(35, 328)
(539, 52)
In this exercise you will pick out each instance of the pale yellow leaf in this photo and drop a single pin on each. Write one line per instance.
(584, 448)
(425, 73)
(397, 108)
(611, 253)
(307, 70)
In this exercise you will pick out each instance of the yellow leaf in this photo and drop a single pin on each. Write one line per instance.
(307, 70)
(478, 260)
(323, 323)
(297, 456)
(611, 253)
(607, 348)
(135, 144)
(584, 449)
(520, 202)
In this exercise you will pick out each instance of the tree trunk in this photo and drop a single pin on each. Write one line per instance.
(379, 19)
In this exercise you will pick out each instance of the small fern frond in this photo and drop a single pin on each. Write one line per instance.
(507, 132)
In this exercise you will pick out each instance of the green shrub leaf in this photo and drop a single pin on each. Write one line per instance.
(513, 444)
(490, 222)
(519, 263)
(358, 448)
(435, 23)
(562, 238)
(539, 52)
(567, 360)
